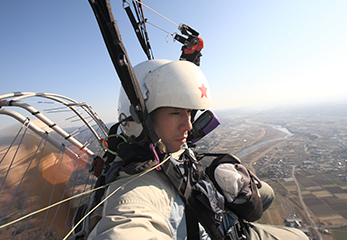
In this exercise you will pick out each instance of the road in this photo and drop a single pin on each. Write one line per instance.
(313, 224)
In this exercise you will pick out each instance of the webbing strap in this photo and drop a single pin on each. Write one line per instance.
(136, 25)
(110, 32)
(195, 211)
(191, 219)
(174, 177)
(184, 190)
(192, 224)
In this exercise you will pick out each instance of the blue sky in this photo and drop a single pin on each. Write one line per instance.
(256, 52)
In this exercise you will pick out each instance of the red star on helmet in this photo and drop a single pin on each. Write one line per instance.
(203, 90)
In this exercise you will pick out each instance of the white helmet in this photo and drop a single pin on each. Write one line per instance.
(165, 83)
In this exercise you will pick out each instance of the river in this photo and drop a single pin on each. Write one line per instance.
(251, 149)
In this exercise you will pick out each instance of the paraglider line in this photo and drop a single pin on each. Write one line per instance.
(156, 12)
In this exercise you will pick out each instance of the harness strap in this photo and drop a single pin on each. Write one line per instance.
(174, 177)
(195, 211)
(191, 219)
(141, 35)
(110, 32)
(184, 189)
(192, 224)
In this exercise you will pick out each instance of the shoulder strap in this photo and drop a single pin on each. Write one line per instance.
(195, 211)
(184, 189)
